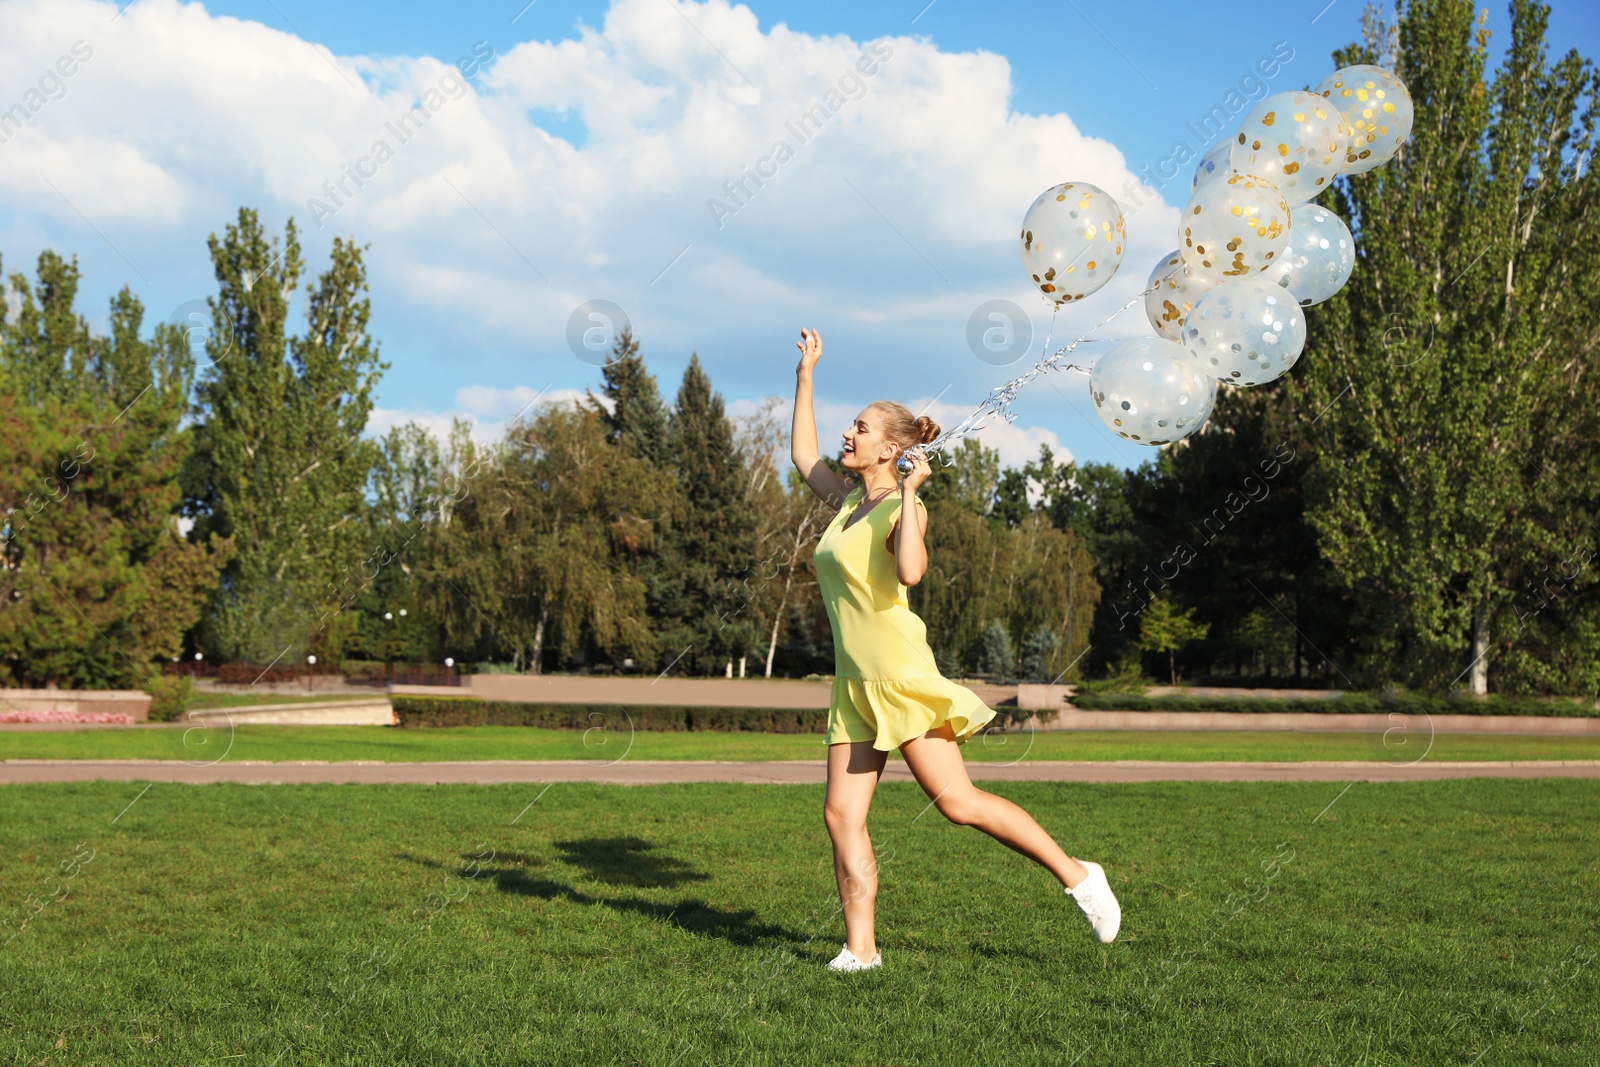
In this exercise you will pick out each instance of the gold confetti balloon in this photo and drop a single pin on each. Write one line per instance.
(1152, 390)
(1072, 241)
(1232, 227)
(1295, 140)
(1379, 111)
(1168, 303)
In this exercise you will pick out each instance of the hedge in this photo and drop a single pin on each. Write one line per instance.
(419, 711)
(1348, 704)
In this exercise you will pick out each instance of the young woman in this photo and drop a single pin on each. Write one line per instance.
(887, 690)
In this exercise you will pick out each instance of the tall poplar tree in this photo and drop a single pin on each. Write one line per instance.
(279, 463)
(1445, 396)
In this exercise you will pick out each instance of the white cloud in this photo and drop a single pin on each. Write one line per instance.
(486, 409)
(486, 230)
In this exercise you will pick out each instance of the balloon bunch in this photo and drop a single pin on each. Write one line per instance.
(1253, 251)
(1225, 305)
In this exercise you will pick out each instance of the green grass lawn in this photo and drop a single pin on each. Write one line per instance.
(611, 741)
(1274, 923)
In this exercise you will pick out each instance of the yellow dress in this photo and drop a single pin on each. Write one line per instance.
(886, 687)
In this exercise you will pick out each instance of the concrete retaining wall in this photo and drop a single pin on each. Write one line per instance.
(370, 712)
(786, 693)
(129, 702)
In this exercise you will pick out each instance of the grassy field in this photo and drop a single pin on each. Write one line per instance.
(1424, 923)
(338, 743)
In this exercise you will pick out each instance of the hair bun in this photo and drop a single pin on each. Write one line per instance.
(927, 429)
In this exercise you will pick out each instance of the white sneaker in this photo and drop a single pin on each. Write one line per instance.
(1098, 902)
(849, 961)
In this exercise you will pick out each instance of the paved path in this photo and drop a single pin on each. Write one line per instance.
(769, 772)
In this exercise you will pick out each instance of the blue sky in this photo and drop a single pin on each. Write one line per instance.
(580, 164)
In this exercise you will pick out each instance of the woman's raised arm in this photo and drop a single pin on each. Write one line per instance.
(803, 432)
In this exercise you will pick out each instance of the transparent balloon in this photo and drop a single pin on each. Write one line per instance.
(1072, 241)
(1246, 331)
(1167, 304)
(1214, 164)
(1379, 111)
(1234, 227)
(1152, 390)
(1320, 257)
(1295, 140)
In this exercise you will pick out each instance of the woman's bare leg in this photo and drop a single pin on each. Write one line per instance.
(853, 771)
(935, 760)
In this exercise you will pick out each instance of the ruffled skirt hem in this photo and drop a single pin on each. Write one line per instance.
(900, 710)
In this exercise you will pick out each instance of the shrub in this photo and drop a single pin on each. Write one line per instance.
(423, 711)
(1348, 704)
(169, 696)
(250, 673)
(1127, 676)
(360, 670)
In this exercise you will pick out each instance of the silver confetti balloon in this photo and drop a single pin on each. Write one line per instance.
(1246, 331)
(1320, 257)
(1152, 390)
(1214, 164)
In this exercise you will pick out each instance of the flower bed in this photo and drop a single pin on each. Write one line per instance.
(31, 715)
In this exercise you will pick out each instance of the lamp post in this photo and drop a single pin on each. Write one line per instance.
(449, 671)
(311, 664)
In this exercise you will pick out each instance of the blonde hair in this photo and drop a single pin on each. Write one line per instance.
(904, 429)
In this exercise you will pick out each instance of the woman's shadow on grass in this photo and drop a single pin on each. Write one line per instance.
(623, 861)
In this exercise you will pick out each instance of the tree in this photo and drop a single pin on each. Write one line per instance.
(1093, 502)
(1011, 498)
(635, 412)
(279, 462)
(96, 583)
(994, 651)
(1036, 660)
(1163, 628)
(1444, 397)
(1029, 577)
(713, 543)
(535, 557)
(968, 481)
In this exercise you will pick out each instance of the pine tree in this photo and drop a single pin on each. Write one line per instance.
(636, 413)
(96, 584)
(1038, 655)
(994, 651)
(713, 543)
